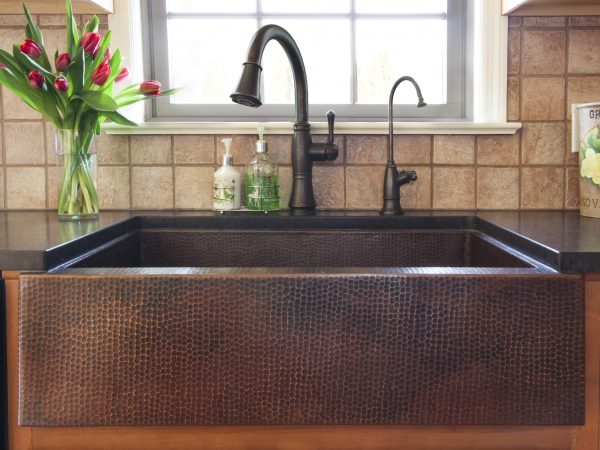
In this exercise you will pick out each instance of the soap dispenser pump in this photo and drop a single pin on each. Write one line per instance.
(227, 183)
(261, 178)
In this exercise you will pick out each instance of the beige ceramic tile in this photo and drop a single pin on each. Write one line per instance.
(52, 187)
(55, 40)
(582, 90)
(112, 149)
(417, 194)
(514, 51)
(513, 110)
(10, 37)
(366, 149)
(24, 143)
(453, 187)
(544, 22)
(151, 149)
(572, 188)
(15, 108)
(497, 188)
(328, 184)
(151, 187)
(514, 21)
(498, 150)
(543, 143)
(412, 149)
(453, 149)
(338, 140)
(52, 20)
(195, 149)
(26, 187)
(544, 52)
(14, 20)
(50, 138)
(571, 159)
(543, 98)
(193, 187)
(542, 187)
(243, 146)
(280, 148)
(113, 187)
(584, 56)
(285, 186)
(1, 188)
(584, 21)
(364, 187)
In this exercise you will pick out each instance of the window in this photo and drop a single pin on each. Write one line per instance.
(353, 51)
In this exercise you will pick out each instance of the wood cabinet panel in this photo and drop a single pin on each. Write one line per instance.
(315, 438)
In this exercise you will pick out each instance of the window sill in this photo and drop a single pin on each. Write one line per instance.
(317, 128)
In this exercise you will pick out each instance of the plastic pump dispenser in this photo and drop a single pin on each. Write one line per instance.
(227, 183)
(261, 178)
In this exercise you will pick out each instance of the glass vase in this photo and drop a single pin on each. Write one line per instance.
(77, 171)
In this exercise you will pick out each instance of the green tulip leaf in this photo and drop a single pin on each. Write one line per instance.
(30, 63)
(72, 35)
(119, 119)
(32, 31)
(97, 100)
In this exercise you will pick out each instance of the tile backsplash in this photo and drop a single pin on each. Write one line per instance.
(552, 62)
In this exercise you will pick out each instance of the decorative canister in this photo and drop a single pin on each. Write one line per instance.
(586, 141)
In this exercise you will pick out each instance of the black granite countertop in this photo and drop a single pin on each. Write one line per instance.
(37, 240)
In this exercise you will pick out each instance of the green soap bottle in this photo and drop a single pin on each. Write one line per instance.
(261, 179)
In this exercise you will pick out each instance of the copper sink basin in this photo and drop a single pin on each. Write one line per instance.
(303, 249)
(259, 326)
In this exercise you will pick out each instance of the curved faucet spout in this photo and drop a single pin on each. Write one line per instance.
(248, 90)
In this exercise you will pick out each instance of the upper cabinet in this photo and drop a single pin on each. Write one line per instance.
(551, 7)
(57, 6)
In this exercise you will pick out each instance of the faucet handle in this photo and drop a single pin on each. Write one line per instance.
(330, 123)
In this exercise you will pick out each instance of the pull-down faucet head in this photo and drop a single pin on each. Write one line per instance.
(248, 90)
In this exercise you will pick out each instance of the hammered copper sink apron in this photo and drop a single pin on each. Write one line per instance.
(199, 327)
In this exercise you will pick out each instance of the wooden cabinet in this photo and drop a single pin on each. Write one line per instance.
(57, 6)
(313, 437)
(550, 7)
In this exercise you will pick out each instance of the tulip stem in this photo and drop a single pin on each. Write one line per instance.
(77, 196)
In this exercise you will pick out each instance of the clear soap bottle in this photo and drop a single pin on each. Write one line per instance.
(261, 179)
(227, 183)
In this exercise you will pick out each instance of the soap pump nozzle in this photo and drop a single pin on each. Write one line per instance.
(261, 144)
(227, 157)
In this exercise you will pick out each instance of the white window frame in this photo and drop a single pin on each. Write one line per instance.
(455, 108)
(489, 58)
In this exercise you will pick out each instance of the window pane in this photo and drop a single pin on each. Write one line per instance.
(416, 48)
(401, 7)
(207, 72)
(305, 6)
(211, 6)
(325, 48)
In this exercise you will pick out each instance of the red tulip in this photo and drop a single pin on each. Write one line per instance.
(107, 55)
(90, 42)
(36, 79)
(30, 48)
(124, 73)
(61, 84)
(2, 66)
(62, 62)
(101, 74)
(150, 87)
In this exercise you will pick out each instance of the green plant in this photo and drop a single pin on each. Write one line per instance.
(75, 95)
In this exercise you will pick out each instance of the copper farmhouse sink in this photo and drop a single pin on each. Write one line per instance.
(198, 326)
